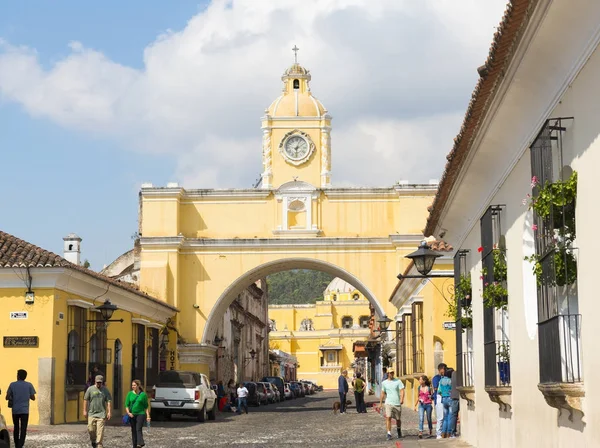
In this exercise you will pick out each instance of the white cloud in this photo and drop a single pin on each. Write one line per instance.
(396, 75)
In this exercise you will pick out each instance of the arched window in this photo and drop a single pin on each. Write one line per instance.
(364, 321)
(296, 84)
(70, 247)
(347, 322)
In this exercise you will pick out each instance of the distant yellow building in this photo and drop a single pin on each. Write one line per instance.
(425, 331)
(52, 328)
(321, 335)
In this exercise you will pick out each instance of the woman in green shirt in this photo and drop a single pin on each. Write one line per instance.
(136, 406)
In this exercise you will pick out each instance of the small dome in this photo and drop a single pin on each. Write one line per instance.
(303, 105)
(339, 285)
(296, 70)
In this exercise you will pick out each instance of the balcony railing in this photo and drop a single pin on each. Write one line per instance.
(466, 369)
(497, 363)
(560, 349)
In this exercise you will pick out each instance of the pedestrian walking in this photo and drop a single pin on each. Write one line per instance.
(392, 390)
(97, 408)
(444, 389)
(138, 411)
(424, 404)
(455, 405)
(19, 394)
(359, 394)
(242, 394)
(343, 390)
(437, 399)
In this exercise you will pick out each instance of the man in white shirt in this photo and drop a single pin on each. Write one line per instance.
(242, 398)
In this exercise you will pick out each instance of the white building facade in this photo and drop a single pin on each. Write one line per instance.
(519, 204)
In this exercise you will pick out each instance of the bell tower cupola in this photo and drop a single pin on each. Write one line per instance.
(296, 134)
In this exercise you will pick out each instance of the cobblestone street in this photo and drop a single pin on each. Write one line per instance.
(305, 422)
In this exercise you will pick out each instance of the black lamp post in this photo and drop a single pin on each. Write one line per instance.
(106, 311)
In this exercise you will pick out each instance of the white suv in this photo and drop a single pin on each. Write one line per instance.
(187, 393)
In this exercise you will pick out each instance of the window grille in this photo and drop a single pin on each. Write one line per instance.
(417, 337)
(98, 343)
(401, 349)
(138, 352)
(407, 343)
(559, 321)
(496, 342)
(464, 356)
(76, 346)
(152, 358)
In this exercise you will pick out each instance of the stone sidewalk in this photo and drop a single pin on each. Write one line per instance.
(304, 422)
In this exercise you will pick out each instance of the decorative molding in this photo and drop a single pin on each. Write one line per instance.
(296, 232)
(467, 393)
(226, 193)
(137, 320)
(501, 395)
(80, 303)
(564, 396)
(196, 353)
(331, 369)
(190, 243)
(363, 193)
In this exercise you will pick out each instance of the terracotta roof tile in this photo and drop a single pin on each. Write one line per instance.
(505, 41)
(17, 253)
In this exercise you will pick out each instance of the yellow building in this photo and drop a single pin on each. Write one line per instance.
(425, 329)
(201, 247)
(321, 335)
(51, 328)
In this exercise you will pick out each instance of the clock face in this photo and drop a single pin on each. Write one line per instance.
(296, 147)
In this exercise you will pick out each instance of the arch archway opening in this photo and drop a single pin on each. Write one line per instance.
(264, 270)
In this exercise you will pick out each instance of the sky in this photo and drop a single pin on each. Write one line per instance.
(98, 98)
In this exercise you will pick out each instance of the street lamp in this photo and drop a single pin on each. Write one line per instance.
(424, 258)
(384, 323)
(106, 311)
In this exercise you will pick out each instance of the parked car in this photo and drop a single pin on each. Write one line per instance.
(187, 393)
(262, 393)
(287, 391)
(254, 396)
(4, 435)
(276, 380)
(270, 392)
(298, 388)
(313, 386)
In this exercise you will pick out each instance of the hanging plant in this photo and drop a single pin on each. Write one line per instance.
(565, 267)
(462, 292)
(559, 199)
(495, 294)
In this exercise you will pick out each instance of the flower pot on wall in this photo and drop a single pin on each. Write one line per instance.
(504, 372)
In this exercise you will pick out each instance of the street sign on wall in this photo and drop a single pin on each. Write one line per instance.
(19, 315)
(449, 325)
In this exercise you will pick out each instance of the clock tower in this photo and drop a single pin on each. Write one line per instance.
(296, 135)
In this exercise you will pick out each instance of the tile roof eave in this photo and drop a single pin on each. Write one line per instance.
(505, 41)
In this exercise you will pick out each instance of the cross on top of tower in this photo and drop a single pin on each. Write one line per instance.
(295, 50)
